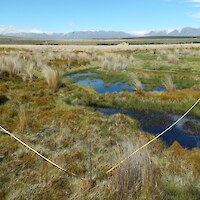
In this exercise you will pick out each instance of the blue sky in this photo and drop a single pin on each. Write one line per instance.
(118, 15)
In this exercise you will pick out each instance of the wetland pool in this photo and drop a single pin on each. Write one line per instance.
(83, 78)
(87, 78)
(184, 132)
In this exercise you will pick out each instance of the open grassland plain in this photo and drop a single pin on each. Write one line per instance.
(132, 41)
(42, 104)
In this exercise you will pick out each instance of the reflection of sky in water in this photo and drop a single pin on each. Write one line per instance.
(80, 74)
(101, 87)
(160, 88)
(155, 123)
(151, 122)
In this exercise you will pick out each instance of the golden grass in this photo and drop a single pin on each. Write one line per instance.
(138, 86)
(137, 83)
(172, 59)
(10, 65)
(178, 95)
(61, 132)
(105, 64)
(169, 85)
(47, 48)
(23, 120)
(52, 77)
(136, 177)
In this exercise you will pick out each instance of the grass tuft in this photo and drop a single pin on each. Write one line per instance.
(172, 59)
(136, 177)
(169, 85)
(10, 65)
(137, 84)
(52, 77)
(23, 122)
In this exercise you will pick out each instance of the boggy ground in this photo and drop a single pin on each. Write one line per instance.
(55, 117)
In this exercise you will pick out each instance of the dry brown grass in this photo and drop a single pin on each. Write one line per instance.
(172, 59)
(60, 131)
(10, 65)
(137, 83)
(136, 177)
(138, 86)
(29, 70)
(47, 48)
(23, 121)
(52, 77)
(105, 64)
(169, 85)
(178, 95)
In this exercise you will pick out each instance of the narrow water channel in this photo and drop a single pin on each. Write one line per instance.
(186, 132)
(155, 123)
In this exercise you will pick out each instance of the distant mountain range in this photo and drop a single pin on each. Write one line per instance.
(72, 35)
(184, 32)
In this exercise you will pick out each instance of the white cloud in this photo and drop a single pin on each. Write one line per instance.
(14, 29)
(196, 15)
(196, 6)
(139, 33)
(144, 32)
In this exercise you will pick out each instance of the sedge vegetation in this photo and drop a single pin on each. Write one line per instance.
(57, 118)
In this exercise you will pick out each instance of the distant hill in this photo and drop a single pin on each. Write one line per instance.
(73, 35)
(96, 35)
(184, 32)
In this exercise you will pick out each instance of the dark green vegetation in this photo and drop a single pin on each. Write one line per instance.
(57, 119)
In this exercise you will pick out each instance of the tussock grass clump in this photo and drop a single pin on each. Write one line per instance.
(114, 65)
(29, 70)
(21, 64)
(131, 59)
(112, 62)
(186, 52)
(120, 66)
(105, 64)
(68, 59)
(169, 85)
(136, 177)
(172, 59)
(180, 177)
(137, 84)
(10, 65)
(159, 58)
(23, 122)
(52, 77)
(196, 87)
(163, 52)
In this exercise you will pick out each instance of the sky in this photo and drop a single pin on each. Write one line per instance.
(133, 16)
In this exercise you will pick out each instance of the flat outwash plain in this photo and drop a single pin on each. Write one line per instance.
(49, 99)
